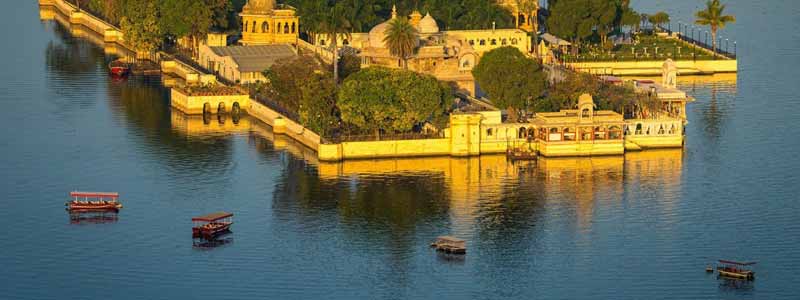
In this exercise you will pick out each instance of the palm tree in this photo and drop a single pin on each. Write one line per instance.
(714, 18)
(333, 24)
(401, 39)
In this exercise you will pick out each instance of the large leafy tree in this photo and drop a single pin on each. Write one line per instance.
(303, 85)
(378, 98)
(186, 18)
(571, 19)
(509, 78)
(658, 19)
(140, 25)
(714, 17)
(401, 39)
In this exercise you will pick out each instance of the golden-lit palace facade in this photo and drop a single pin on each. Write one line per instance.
(447, 55)
(264, 22)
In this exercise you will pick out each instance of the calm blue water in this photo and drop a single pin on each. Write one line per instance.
(643, 226)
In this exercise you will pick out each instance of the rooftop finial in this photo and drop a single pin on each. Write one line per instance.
(394, 11)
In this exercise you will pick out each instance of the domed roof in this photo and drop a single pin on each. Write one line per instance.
(378, 33)
(259, 7)
(428, 25)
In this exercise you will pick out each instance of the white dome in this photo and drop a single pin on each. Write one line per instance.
(428, 25)
(377, 34)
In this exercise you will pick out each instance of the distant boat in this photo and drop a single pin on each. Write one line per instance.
(211, 225)
(119, 68)
(449, 244)
(93, 201)
(735, 269)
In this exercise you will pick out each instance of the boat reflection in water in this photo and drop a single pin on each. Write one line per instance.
(93, 217)
(203, 244)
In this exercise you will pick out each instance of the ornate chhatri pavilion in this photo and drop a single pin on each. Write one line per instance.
(525, 20)
(264, 22)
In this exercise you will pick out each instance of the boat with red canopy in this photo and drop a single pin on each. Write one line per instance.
(93, 201)
(119, 68)
(736, 269)
(211, 225)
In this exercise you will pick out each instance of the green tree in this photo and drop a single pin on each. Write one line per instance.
(401, 39)
(658, 19)
(378, 98)
(303, 85)
(571, 20)
(333, 24)
(631, 19)
(349, 63)
(714, 17)
(140, 25)
(509, 78)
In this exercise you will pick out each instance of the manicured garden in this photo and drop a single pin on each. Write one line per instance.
(643, 48)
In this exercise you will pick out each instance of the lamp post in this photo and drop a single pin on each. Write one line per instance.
(726, 45)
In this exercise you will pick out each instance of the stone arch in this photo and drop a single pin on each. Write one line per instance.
(293, 27)
(286, 28)
(345, 42)
(236, 108)
(494, 42)
(253, 28)
(504, 41)
(482, 42)
(513, 41)
(264, 27)
(244, 26)
(638, 129)
(221, 108)
(522, 133)
(206, 108)
(278, 28)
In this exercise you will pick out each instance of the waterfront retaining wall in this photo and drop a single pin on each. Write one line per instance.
(193, 105)
(654, 68)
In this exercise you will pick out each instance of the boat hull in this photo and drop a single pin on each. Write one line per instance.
(739, 275)
(201, 232)
(80, 207)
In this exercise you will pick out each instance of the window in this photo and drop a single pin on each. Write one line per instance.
(503, 42)
(585, 113)
(494, 42)
(569, 135)
(472, 42)
(254, 26)
(522, 133)
(264, 27)
(489, 132)
(514, 41)
(293, 29)
(244, 26)
(614, 133)
(483, 42)
(599, 133)
(286, 28)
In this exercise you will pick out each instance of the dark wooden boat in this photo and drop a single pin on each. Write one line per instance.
(449, 244)
(119, 68)
(735, 269)
(211, 225)
(93, 201)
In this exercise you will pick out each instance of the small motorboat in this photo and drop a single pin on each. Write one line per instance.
(119, 68)
(100, 201)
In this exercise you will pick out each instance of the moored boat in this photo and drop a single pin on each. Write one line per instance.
(119, 68)
(93, 201)
(211, 225)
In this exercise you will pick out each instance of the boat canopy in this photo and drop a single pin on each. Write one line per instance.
(730, 262)
(212, 217)
(94, 195)
(450, 240)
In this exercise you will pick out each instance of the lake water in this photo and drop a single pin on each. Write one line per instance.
(642, 226)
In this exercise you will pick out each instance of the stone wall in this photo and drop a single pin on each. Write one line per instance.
(641, 68)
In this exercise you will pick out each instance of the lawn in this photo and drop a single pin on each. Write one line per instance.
(646, 47)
